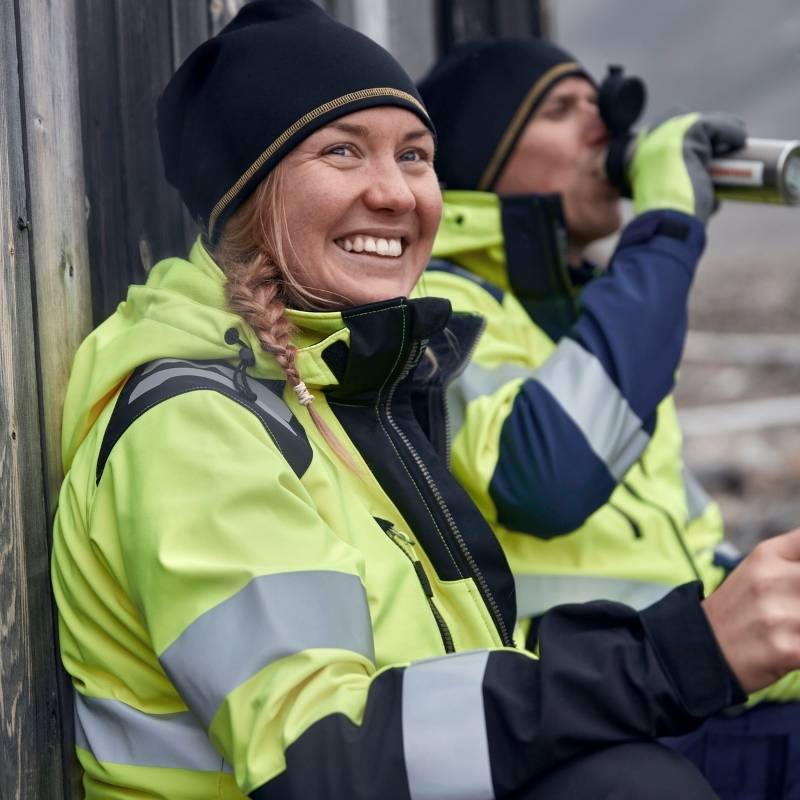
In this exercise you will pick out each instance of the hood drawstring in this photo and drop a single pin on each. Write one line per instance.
(246, 359)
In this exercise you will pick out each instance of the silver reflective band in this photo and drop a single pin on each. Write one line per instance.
(265, 399)
(539, 593)
(477, 381)
(272, 617)
(445, 742)
(117, 733)
(582, 387)
(697, 499)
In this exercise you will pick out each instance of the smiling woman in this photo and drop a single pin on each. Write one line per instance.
(240, 615)
(359, 222)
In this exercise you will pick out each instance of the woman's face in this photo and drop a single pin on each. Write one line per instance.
(362, 206)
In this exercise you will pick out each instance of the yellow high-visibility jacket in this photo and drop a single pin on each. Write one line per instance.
(243, 614)
(563, 428)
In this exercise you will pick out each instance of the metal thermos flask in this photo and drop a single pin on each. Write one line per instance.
(763, 171)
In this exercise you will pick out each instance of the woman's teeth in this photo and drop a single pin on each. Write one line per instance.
(368, 244)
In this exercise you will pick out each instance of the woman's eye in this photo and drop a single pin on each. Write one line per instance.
(340, 150)
(415, 154)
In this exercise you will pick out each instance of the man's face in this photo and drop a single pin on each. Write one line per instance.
(561, 150)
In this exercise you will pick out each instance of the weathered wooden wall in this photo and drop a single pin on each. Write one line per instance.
(44, 312)
(82, 191)
(464, 20)
(127, 52)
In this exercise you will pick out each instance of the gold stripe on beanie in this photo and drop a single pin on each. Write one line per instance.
(331, 105)
(520, 118)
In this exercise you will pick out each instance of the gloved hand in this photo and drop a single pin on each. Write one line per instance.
(669, 168)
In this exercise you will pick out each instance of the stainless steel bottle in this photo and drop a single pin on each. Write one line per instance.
(763, 171)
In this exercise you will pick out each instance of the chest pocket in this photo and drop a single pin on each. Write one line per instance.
(153, 383)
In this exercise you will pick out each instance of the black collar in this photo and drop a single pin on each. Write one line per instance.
(383, 337)
(535, 239)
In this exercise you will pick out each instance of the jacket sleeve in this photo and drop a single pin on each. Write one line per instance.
(258, 614)
(545, 439)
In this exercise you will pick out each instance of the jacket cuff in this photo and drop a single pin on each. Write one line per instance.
(687, 650)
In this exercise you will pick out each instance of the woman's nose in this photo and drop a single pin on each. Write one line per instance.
(388, 189)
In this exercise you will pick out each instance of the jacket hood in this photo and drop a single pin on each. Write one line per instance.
(471, 233)
(182, 312)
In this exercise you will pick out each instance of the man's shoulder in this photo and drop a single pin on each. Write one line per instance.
(449, 277)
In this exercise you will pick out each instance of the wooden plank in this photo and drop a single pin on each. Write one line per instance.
(59, 259)
(464, 20)
(190, 26)
(412, 35)
(48, 55)
(30, 736)
(113, 267)
(154, 223)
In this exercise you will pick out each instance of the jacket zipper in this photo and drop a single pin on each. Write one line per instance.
(477, 575)
(672, 524)
(406, 545)
(637, 531)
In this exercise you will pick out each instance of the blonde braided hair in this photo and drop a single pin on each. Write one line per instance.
(252, 254)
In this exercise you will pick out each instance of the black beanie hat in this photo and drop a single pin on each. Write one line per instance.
(480, 96)
(243, 99)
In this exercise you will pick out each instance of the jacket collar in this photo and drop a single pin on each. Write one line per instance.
(518, 244)
(346, 352)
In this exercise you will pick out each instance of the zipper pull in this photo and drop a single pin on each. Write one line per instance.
(389, 529)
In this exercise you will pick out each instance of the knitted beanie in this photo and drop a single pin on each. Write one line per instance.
(242, 100)
(480, 97)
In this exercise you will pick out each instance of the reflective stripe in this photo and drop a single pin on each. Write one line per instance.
(477, 381)
(445, 742)
(274, 616)
(538, 593)
(580, 385)
(159, 373)
(697, 499)
(117, 733)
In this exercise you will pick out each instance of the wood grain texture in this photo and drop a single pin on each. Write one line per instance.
(48, 55)
(104, 167)
(154, 221)
(30, 734)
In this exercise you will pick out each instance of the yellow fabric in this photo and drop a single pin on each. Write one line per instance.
(194, 503)
(603, 547)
